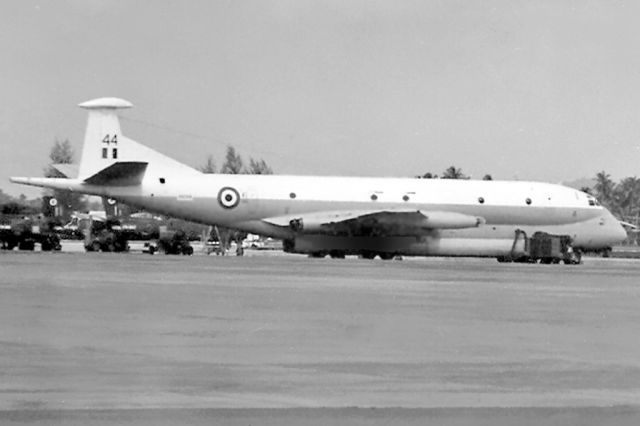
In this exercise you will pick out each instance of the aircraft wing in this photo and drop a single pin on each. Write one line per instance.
(391, 222)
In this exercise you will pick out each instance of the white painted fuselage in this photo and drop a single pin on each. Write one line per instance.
(269, 204)
(504, 205)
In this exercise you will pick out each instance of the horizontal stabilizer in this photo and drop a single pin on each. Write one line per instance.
(122, 173)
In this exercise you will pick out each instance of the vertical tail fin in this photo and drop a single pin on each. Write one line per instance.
(103, 135)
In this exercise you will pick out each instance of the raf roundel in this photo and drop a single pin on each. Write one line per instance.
(228, 198)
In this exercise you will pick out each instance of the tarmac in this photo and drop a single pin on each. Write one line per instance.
(101, 338)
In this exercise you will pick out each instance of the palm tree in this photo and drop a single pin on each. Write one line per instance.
(627, 197)
(604, 188)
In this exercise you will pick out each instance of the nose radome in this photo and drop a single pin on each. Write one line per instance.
(612, 232)
(619, 232)
(615, 231)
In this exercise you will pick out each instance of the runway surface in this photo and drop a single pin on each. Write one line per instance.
(139, 339)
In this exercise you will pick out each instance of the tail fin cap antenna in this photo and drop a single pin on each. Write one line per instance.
(106, 103)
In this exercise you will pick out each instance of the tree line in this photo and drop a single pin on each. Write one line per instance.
(234, 164)
(451, 172)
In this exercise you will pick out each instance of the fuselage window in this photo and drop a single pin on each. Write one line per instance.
(405, 198)
(528, 201)
(292, 195)
(104, 152)
(374, 197)
(162, 180)
(592, 203)
(481, 200)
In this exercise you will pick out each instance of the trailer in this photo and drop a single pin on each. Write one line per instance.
(548, 248)
(543, 248)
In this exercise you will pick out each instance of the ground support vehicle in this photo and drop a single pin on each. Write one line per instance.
(543, 248)
(106, 236)
(24, 233)
(170, 242)
(211, 246)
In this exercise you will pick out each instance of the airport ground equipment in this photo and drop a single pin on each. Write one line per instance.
(543, 248)
(106, 236)
(25, 232)
(212, 246)
(546, 248)
(170, 242)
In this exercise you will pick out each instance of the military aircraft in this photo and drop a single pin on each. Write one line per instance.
(338, 216)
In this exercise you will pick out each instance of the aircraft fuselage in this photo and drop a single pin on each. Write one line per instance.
(505, 206)
(315, 214)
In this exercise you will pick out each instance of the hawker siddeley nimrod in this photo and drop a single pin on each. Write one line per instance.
(338, 216)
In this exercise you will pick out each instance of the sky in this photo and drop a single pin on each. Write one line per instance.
(528, 90)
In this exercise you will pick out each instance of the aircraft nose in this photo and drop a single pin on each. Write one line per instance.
(615, 232)
(618, 233)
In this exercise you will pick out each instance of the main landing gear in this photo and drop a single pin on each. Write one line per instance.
(338, 254)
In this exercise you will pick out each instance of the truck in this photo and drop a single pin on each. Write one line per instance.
(24, 232)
